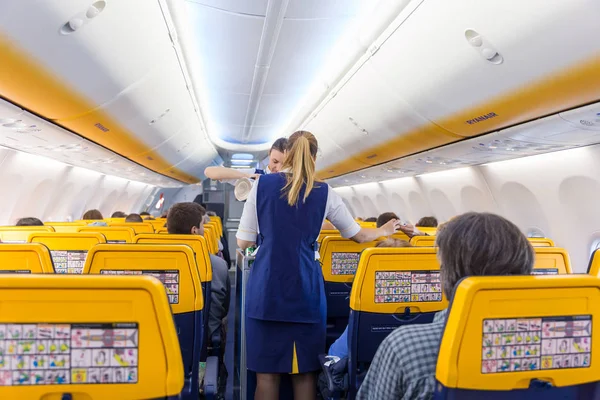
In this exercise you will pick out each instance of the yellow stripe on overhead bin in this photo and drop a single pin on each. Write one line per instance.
(564, 90)
(28, 84)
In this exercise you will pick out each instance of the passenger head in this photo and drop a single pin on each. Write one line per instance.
(118, 214)
(371, 219)
(300, 159)
(393, 242)
(359, 219)
(143, 213)
(428, 222)
(29, 221)
(385, 218)
(148, 218)
(134, 218)
(481, 244)
(92, 214)
(277, 154)
(186, 218)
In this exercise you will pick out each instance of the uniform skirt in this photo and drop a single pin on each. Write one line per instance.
(274, 347)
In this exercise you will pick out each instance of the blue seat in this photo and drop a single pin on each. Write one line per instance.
(339, 260)
(393, 287)
(521, 337)
(175, 266)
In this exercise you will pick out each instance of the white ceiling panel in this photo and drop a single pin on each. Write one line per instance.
(319, 9)
(248, 7)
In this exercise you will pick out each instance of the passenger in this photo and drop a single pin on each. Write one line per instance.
(144, 213)
(473, 244)
(385, 217)
(187, 218)
(285, 301)
(148, 218)
(371, 219)
(118, 214)
(29, 221)
(428, 222)
(92, 214)
(359, 219)
(134, 218)
(231, 175)
(339, 348)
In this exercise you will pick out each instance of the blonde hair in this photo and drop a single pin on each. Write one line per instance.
(300, 159)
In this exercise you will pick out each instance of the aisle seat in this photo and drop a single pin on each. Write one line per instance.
(175, 266)
(392, 287)
(25, 258)
(113, 234)
(68, 250)
(521, 337)
(551, 261)
(19, 234)
(85, 337)
(219, 223)
(339, 261)
(162, 231)
(65, 227)
(138, 227)
(211, 239)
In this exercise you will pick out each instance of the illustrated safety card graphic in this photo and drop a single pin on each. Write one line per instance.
(344, 263)
(68, 261)
(169, 278)
(407, 286)
(53, 354)
(527, 344)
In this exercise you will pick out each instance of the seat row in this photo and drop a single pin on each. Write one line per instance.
(179, 262)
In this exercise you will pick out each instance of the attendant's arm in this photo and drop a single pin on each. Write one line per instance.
(370, 234)
(248, 228)
(222, 173)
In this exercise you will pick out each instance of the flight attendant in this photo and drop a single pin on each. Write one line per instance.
(231, 175)
(285, 303)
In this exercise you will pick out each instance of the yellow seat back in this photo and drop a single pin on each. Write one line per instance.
(327, 232)
(551, 261)
(504, 331)
(196, 242)
(174, 265)
(25, 258)
(389, 279)
(423, 241)
(428, 230)
(541, 242)
(156, 223)
(217, 219)
(211, 238)
(138, 227)
(68, 250)
(162, 231)
(19, 234)
(113, 234)
(65, 227)
(339, 258)
(100, 337)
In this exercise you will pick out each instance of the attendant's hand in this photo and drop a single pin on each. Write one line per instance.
(391, 227)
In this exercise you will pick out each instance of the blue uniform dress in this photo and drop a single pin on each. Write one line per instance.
(285, 304)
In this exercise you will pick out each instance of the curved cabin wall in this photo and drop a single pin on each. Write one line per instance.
(555, 193)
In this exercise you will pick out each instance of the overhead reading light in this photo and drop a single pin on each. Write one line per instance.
(83, 17)
(483, 46)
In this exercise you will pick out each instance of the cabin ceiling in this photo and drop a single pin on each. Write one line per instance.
(172, 86)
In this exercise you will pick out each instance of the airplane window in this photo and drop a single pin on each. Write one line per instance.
(535, 233)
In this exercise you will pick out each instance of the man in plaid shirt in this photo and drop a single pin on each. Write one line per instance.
(473, 244)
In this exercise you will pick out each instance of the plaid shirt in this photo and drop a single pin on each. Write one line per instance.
(404, 365)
